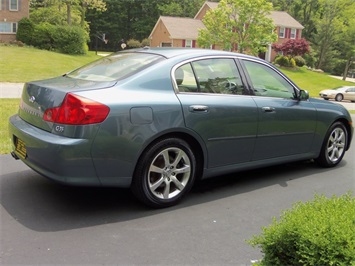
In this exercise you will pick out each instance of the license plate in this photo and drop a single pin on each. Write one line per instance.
(21, 148)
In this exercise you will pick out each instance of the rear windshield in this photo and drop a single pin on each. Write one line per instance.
(115, 67)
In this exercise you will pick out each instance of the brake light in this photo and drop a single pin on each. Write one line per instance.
(77, 110)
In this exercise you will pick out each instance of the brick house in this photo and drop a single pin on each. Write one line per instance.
(183, 32)
(11, 12)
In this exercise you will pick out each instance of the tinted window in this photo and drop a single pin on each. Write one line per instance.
(116, 66)
(267, 82)
(210, 76)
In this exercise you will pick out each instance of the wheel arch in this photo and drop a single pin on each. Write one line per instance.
(196, 145)
(349, 130)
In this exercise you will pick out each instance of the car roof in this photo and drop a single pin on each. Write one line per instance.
(169, 52)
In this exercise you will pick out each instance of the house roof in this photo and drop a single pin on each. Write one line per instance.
(181, 28)
(188, 28)
(210, 5)
(283, 19)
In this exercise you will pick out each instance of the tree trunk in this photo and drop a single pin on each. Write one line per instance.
(83, 14)
(346, 70)
(69, 14)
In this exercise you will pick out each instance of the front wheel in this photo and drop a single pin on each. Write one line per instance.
(339, 97)
(334, 146)
(165, 174)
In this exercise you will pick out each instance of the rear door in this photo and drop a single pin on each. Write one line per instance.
(286, 125)
(217, 106)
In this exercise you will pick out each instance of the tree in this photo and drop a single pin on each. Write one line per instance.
(304, 11)
(181, 8)
(347, 46)
(124, 19)
(332, 22)
(82, 6)
(240, 25)
(292, 47)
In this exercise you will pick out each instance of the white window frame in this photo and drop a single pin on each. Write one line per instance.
(10, 5)
(282, 31)
(188, 43)
(13, 26)
(293, 33)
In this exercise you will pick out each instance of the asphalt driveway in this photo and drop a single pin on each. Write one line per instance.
(46, 223)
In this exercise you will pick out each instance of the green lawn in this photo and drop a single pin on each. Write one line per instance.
(313, 82)
(8, 108)
(22, 64)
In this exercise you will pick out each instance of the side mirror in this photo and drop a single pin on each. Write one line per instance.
(303, 95)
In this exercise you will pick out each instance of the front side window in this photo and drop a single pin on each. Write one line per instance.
(218, 75)
(267, 82)
(115, 67)
(13, 4)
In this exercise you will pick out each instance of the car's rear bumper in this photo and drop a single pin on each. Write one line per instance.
(66, 160)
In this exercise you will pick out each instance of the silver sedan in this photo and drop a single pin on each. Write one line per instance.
(346, 93)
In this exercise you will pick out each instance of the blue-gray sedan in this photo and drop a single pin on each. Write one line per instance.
(156, 120)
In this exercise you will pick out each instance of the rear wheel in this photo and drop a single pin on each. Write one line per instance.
(339, 97)
(334, 146)
(165, 174)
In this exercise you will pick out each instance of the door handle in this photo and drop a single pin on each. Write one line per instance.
(268, 109)
(198, 108)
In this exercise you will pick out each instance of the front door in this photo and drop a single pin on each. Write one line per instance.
(286, 125)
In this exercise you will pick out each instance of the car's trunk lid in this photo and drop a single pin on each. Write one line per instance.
(38, 96)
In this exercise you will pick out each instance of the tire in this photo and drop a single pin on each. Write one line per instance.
(334, 146)
(339, 97)
(165, 173)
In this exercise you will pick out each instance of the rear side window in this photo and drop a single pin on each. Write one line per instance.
(115, 67)
(217, 75)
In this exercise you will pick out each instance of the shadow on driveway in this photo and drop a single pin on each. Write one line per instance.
(44, 206)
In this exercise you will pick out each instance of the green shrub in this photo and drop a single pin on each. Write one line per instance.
(318, 232)
(292, 63)
(70, 40)
(42, 36)
(64, 39)
(25, 31)
(145, 42)
(282, 61)
(310, 59)
(132, 43)
(300, 62)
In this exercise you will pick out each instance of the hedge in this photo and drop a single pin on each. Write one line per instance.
(318, 232)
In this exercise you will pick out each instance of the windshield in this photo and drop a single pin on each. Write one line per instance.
(342, 89)
(115, 67)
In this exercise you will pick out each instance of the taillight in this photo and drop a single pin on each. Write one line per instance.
(77, 110)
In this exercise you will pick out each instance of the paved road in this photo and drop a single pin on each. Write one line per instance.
(46, 223)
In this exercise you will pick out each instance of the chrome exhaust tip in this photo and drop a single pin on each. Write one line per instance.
(13, 154)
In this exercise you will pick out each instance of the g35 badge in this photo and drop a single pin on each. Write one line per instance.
(59, 128)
